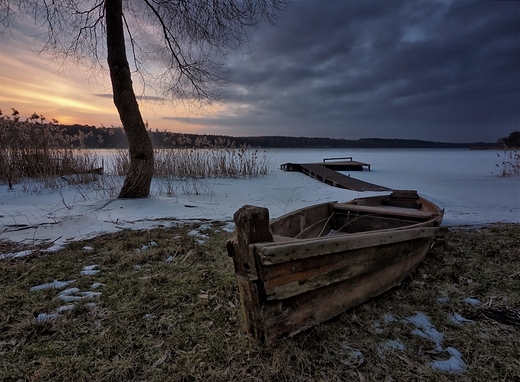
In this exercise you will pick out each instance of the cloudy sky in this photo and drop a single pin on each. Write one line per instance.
(437, 70)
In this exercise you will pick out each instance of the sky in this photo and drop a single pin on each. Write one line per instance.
(438, 70)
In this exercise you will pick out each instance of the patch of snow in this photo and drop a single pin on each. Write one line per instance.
(389, 345)
(377, 328)
(90, 270)
(88, 248)
(16, 255)
(96, 285)
(54, 285)
(229, 227)
(458, 319)
(354, 357)
(424, 328)
(73, 294)
(201, 237)
(472, 301)
(443, 300)
(47, 317)
(454, 364)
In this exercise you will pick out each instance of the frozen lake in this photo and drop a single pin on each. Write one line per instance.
(462, 182)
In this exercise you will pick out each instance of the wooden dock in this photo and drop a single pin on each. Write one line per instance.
(326, 172)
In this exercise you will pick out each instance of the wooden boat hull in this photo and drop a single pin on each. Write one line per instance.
(292, 277)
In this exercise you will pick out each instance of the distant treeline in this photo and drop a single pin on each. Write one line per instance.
(114, 137)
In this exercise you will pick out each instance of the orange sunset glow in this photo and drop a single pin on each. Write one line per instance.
(32, 82)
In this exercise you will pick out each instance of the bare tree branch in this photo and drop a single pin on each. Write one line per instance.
(177, 44)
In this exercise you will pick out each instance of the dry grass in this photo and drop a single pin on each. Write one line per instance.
(509, 164)
(38, 149)
(180, 320)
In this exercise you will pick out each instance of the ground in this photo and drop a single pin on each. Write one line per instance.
(162, 304)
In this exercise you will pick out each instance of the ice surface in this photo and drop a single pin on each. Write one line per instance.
(463, 182)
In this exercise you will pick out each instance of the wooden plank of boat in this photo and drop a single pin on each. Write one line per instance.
(383, 210)
(288, 284)
(287, 317)
(280, 252)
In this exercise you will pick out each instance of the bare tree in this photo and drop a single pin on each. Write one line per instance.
(175, 46)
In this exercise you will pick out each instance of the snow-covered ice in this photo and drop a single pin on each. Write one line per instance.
(463, 182)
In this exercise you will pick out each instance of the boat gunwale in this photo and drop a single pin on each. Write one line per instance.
(269, 252)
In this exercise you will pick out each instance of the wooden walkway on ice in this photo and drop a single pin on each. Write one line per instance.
(326, 172)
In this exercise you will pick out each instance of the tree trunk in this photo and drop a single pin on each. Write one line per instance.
(139, 177)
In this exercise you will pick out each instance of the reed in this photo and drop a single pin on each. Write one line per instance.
(38, 149)
(509, 163)
(201, 163)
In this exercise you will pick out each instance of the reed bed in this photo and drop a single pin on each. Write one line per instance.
(40, 150)
(37, 149)
(211, 163)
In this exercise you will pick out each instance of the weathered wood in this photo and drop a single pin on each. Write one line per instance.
(404, 194)
(326, 173)
(295, 277)
(274, 253)
(251, 301)
(347, 222)
(317, 229)
(291, 316)
(252, 226)
(291, 225)
(402, 212)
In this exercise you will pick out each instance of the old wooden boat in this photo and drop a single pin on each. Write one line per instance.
(314, 263)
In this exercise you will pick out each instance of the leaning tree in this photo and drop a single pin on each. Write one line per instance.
(175, 47)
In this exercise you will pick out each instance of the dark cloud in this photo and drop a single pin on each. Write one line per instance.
(430, 69)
